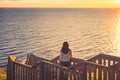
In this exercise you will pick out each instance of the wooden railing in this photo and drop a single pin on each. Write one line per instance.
(106, 60)
(112, 62)
(74, 61)
(92, 71)
(42, 70)
(53, 71)
(100, 67)
(18, 71)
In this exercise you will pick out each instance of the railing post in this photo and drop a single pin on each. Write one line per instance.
(100, 60)
(84, 71)
(61, 73)
(10, 70)
(111, 74)
(42, 70)
(99, 73)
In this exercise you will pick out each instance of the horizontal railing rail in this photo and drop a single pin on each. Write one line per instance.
(101, 67)
(44, 70)
(104, 59)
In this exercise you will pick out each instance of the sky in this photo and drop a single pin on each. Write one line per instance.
(61, 3)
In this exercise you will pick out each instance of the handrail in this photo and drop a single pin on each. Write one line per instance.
(17, 70)
(106, 56)
(80, 70)
(111, 57)
(15, 60)
(86, 62)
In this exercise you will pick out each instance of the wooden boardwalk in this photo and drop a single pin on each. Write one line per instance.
(100, 67)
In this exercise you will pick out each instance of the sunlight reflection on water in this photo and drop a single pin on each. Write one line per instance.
(42, 32)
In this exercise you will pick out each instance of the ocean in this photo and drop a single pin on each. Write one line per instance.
(42, 31)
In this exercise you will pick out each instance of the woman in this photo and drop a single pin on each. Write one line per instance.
(66, 55)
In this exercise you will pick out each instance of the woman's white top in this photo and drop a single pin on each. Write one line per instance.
(65, 57)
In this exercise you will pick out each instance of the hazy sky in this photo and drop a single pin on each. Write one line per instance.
(60, 3)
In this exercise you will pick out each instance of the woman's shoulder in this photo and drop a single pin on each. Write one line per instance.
(70, 50)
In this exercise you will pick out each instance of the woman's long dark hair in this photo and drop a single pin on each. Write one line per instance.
(65, 48)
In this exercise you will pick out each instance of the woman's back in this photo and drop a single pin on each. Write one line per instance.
(65, 57)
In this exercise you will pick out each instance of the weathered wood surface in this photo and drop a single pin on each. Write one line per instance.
(74, 61)
(92, 71)
(101, 67)
(104, 59)
(42, 70)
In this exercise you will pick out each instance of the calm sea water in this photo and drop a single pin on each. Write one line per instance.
(42, 32)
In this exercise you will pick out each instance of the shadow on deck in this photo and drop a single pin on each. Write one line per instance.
(100, 67)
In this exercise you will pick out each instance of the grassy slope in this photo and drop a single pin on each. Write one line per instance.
(2, 76)
(2, 73)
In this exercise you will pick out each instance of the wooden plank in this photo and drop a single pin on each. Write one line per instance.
(99, 73)
(95, 73)
(32, 72)
(113, 62)
(28, 76)
(109, 62)
(24, 73)
(15, 72)
(105, 74)
(90, 75)
(12, 71)
(104, 61)
(71, 75)
(84, 70)
(45, 71)
(100, 60)
(42, 71)
(118, 75)
(56, 71)
(50, 72)
(18, 71)
(74, 76)
(79, 76)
